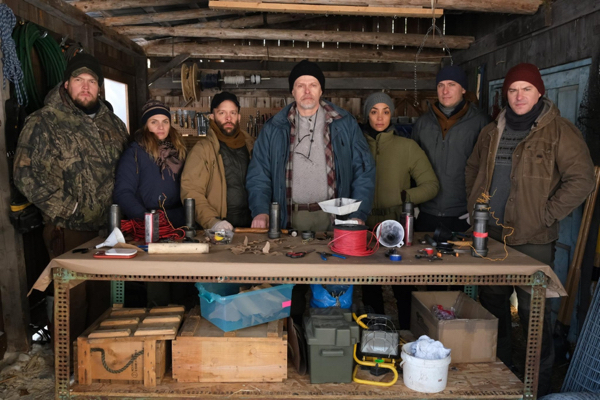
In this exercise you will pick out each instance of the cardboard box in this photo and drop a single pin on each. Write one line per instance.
(472, 337)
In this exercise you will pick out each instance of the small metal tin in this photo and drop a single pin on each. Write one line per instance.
(395, 257)
(305, 235)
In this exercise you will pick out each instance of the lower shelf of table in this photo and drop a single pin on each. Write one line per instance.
(465, 381)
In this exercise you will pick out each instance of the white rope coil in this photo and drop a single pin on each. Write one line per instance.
(234, 80)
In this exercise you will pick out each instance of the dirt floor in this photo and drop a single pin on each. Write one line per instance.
(28, 376)
(31, 376)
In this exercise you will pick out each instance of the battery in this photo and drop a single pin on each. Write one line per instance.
(151, 224)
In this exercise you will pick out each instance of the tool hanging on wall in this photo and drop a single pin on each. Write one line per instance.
(188, 87)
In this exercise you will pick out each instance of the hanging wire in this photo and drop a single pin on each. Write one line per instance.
(421, 47)
(11, 66)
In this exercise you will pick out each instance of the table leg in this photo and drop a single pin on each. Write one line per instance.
(117, 292)
(62, 351)
(535, 336)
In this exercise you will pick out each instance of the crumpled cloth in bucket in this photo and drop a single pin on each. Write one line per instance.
(428, 349)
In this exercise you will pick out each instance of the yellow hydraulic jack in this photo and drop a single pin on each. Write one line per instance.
(378, 362)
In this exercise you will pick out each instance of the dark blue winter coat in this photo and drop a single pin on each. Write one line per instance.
(354, 165)
(139, 185)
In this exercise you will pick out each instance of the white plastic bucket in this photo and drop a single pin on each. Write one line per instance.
(426, 376)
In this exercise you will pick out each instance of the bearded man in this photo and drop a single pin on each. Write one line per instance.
(65, 165)
(67, 155)
(215, 171)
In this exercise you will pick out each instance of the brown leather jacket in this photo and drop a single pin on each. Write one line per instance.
(203, 179)
(551, 175)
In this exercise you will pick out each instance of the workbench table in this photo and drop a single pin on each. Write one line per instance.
(473, 381)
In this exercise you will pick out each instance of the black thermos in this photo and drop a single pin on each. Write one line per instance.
(190, 214)
(274, 221)
(480, 218)
(114, 218)
(189, 211)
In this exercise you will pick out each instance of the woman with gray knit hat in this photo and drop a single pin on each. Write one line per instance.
(398, 161)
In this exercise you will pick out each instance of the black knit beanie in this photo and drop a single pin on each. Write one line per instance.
(84, 63)
(306, 67)
(154, 107)
(452, 73)
(223, 96)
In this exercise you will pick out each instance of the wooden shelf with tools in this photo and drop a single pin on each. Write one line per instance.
(251, 120)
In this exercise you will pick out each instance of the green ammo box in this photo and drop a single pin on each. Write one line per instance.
(331, 335)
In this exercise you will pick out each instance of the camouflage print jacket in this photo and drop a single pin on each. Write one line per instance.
(65, 162)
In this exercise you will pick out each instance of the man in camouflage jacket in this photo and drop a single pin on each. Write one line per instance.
(65, 165)
(67, 154)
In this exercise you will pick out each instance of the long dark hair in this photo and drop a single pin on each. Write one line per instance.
(150, 143)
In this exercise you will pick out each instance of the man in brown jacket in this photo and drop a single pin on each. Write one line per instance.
(215, 171)
(537, 168)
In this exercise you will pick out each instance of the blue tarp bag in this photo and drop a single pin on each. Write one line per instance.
(332, 296)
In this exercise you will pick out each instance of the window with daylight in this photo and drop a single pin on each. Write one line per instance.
(116, 94)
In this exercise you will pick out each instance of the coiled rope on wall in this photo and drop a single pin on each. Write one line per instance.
(30, 37)
(11, 66)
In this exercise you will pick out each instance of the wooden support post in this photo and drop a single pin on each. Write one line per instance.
(13, 275)
(150, 353)
(141, 89)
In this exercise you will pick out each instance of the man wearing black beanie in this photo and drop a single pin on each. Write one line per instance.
(447, 132)
(215, 171)
(309, 152)
(65, 165)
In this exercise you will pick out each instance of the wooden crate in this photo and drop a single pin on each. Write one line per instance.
(204, 353)
(136, 336)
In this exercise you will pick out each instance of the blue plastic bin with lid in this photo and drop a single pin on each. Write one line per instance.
(226, 308)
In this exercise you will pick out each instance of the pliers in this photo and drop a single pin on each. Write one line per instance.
(324, 256)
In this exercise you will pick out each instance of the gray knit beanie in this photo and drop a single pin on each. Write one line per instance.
(375, 98)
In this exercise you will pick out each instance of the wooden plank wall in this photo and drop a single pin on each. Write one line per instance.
(354, 105)
(567, 31)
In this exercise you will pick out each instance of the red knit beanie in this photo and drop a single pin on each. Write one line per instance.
(524, 72)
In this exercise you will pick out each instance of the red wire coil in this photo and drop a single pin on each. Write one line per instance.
(166, 230)
(352, 242)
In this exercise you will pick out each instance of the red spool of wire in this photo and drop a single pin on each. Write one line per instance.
(351, 240)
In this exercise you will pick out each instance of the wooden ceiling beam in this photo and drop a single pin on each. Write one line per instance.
(270, 53)
(496, 6)
(163, 17)
(103, 5)
(175, 73)
(249, 22)
(348, 83)
(414, 12)
(381, 38)
(73, 16)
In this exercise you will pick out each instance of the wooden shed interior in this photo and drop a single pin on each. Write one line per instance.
(248, 48)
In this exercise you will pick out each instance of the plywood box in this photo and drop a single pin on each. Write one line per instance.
(472, 337)
(129, 345)
(204, 353)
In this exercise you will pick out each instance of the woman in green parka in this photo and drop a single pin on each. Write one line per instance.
(399, 160)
